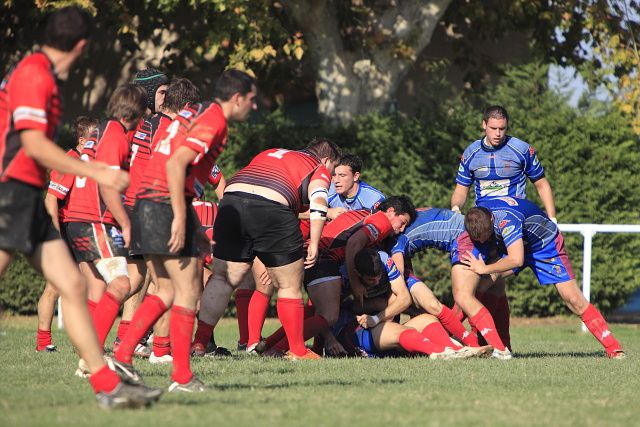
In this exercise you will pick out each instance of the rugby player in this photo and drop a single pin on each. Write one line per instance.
(348, 191)
(166, 229)
(533, 240)
(30, 98)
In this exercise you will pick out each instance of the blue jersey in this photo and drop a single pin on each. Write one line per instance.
(367, 197)
(521, 219)
(499, 171)
(432, 228)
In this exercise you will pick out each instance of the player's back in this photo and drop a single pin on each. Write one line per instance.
(433, 228)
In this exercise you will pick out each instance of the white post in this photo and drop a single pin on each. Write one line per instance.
(586, 266)
(60, 319)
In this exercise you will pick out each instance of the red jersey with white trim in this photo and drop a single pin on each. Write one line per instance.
(286, 172)
(60, 184)
(206, 212)
(29, 100)
(200, 127)
(107, 144)
(335, 234)
(142, 143)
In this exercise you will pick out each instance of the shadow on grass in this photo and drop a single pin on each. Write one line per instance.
(542, 354)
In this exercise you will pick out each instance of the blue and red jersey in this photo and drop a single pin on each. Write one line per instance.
(367, 197)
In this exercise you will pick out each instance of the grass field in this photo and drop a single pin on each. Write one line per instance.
(558, 378)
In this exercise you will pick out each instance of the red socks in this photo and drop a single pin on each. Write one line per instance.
(291, 315)
(104, 315)
(203, 333)
(123, 327)
(483, 322)
(43, 339)
(161, 346)
(243, 298)
(599, 328)
(449, 320)
(436, 333)
(180, 332)
(147, 314)
(501, 316)
(413, 342)
(312, 327)
(257, 312)
(105, 380)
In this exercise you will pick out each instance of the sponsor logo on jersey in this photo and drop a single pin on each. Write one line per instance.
(558, 270)
(89, 144)
(503, 223)
(508, 230)
(186, 114)
(460, 168)
(373, 231)
(140, 135)
(494, 187)
(57, 187)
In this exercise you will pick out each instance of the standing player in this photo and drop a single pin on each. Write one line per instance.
(154, 82)
(31, 105)
(499, 165)
(533, 240)
(166, 229)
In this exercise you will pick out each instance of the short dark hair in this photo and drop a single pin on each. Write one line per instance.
(495, 112)
(82, 127)
(479, 223)
(324, 147)
(180, 92)
(232, 82)
(353, 161)
(128, 102)
(400, 204)
(66, 27)
(368, 263)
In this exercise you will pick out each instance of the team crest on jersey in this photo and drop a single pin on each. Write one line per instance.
(460, 168)
(373, 231)
(507, 230)
(140, 135)
(89, 144)
(503, 223)
(558, 270)
(215, 172)
(186, 114)
(509, 200)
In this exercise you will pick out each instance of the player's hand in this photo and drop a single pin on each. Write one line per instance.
(126, 236)
(367, 321)
(474, 264)
(333, 213)
(264, 278)
(112, 178)
(176, 242)
(204, 243)
(312, 256)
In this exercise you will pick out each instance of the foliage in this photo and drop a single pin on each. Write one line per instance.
(20, 288)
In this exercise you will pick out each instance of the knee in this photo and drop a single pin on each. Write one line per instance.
(433, 306)
(120, 287)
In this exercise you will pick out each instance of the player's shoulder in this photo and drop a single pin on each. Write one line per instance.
(472, 149)
(517, 144)
(36, 69)
(370, 190)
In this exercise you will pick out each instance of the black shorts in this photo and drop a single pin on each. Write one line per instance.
(92, 241)
(151, 229)
(129, 210)
(323, 271)
(24, 221)
(248, 226)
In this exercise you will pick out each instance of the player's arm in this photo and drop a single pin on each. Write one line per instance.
(318, 190)
(513, 259)
(546, 195)
(220, 187)
(459, 197)
(47, 154)
(51, 205)
(356, 242)
(176, 176)
(398, 303)
(398, 259)
(113, 200)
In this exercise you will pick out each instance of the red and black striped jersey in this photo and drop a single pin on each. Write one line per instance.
(60, 184)
(108, 144)
(142, 143)
(286, 172)
(200, 127)
(29, 100)
(335, 234)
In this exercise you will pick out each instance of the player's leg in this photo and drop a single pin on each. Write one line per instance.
(5, 260)
(46, 309)
(325, 296)
(464, 284)
(424, 298)
(243, 299)
(496, 300)
(258, 304)
(389, 336)
(138, 279)
(161, 341)
(96, 286)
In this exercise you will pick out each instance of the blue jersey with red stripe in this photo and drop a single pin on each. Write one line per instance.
(367, 197)
(521, 219)
(499, 171)
(432, 228)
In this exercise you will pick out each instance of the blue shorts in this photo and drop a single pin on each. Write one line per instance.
(364, 339)
(463, 243)
(411, 280)
(550, 264)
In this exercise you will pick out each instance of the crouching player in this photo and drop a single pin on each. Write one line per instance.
(533, 240)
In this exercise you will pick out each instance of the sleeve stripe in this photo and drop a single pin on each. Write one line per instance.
(28, 113)
(200, 143)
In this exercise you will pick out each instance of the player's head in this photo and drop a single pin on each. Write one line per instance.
(154, 82)
(82, 128)
(326, 150)
(479, 224)
(347, 174)
(400, 211)
(495, 121)
(67, 30)
(127, 105)
(180, 92)
(369, 266)
(238, 91)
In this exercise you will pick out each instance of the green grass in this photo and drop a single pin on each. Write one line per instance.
(559, 378)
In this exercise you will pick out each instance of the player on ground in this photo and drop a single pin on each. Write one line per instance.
(30, 99)
(54, 202)
(166, 229)
(533, 240)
